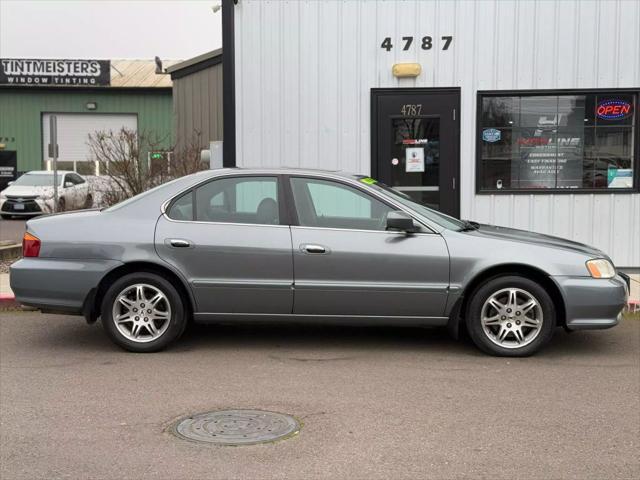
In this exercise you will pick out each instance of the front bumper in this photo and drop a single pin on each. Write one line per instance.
(57, 284)
(592, 303)
(26, 207)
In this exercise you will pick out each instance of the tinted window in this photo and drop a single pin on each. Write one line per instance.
(231, 200)
(565, 141)
(322, 203)
(182, 208)
(75, 178)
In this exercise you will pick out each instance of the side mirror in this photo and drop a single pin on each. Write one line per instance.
(68, 184)
(401, 222)
(9, 183)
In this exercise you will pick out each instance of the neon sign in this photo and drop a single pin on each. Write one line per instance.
(614, 109)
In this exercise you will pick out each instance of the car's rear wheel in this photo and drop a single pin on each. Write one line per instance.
(510, 316)
(143, 312)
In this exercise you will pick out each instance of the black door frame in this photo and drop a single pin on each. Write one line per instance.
(455, 170)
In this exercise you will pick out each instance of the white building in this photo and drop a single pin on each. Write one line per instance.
(516, 113)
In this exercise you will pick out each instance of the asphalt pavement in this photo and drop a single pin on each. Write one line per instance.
(375, 403)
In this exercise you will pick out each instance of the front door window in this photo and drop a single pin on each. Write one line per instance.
(415, 163)
(327, 204)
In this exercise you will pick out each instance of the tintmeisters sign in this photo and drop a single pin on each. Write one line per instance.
(37, 72)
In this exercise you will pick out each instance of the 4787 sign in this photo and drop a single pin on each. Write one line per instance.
(426, 42)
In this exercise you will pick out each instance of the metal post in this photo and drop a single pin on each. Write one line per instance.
(53, 152)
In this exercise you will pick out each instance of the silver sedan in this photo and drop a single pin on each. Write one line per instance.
(249, 245)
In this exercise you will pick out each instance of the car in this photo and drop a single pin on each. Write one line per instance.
(235, 245)
(32, 194)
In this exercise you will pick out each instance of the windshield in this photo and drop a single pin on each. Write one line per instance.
(439, 218)
(37, 180)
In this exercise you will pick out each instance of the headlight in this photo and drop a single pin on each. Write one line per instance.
(601, 268)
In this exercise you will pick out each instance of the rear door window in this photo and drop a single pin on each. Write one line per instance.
(252, 200)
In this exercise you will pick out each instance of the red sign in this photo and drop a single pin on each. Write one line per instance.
(614, 109)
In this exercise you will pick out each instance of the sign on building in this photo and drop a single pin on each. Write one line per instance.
(40, 72)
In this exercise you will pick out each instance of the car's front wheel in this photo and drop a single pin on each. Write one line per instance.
(510, 316)
(143, 312)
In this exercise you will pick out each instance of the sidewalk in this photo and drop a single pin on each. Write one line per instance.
(7, 298)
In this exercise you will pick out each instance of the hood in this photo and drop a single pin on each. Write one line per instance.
(28, 191)
(537, 238)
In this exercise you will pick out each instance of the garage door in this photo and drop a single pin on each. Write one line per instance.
(73, 136)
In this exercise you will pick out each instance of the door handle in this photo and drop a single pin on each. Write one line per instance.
(313, 249)
(179, 243)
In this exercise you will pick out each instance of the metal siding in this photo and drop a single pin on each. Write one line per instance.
(21, 115)
(304, 71)
(197, 106)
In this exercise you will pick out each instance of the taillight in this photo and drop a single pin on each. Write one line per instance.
(30, 245)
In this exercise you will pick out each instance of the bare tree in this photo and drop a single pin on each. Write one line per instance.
(186, 158)
(122, 157)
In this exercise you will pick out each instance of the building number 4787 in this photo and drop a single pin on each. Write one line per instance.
(426, 43)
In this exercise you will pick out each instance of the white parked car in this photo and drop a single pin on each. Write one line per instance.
(32, 194)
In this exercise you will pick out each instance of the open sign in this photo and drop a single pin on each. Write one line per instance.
(614, 109)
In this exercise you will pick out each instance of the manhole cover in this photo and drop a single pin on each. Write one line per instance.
(237, 427)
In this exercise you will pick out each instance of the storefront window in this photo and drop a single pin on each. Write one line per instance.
(565, 141)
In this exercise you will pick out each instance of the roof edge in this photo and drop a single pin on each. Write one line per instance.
(197, 63)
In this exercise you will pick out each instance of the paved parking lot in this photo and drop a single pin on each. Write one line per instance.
(375, 403)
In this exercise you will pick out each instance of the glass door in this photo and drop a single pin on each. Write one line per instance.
(415, 144)
(415, 158)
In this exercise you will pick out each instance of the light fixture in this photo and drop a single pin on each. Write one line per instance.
(406, 70)
(91, 105)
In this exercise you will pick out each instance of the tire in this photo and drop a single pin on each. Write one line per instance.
(498, 333)
(6, 217)
(61, 205)
(88, 202)
(170, 319)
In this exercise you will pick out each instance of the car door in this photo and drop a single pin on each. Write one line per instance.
(230, 238)
(346, 263)
(67, 189)
(82, 190)
(78, 191)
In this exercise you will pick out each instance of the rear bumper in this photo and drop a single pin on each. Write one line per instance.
(593, 303)
(56, 284)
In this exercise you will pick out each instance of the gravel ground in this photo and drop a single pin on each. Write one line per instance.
(5, 264)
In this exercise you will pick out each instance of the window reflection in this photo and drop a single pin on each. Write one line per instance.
(571, 141)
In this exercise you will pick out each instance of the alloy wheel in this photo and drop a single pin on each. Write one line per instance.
(511, 318)
(141, 312)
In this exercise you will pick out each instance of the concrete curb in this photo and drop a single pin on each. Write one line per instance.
(8, 302)
(10, 251)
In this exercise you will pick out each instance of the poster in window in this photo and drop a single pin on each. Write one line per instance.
(549, 159)
(414, 159)
(551, 149)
